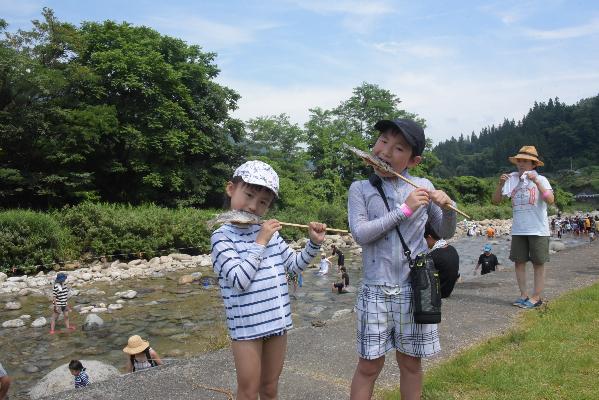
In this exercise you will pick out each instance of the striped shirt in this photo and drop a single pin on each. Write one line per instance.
(373, 227)
(252, 279)
(61, 294)
(82, 379)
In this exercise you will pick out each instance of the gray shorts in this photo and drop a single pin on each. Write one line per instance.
(530, 248)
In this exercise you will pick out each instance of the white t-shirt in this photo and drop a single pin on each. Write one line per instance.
(324, 266)
(529, 209)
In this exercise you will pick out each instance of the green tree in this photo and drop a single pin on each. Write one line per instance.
(112, 111)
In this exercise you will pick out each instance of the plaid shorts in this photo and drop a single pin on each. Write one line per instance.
(386, 322)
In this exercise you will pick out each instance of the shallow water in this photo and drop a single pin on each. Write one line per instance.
(180, 320)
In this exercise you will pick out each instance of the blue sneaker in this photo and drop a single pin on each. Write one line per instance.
(519, 302)
(530, 304)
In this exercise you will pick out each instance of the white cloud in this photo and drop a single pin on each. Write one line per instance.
(591, 28)
(209, 33)
(354, 7)
(422, 50)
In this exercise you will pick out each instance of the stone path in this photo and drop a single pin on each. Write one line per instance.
(320, 361)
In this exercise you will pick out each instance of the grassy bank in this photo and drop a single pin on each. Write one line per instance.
(552, 354)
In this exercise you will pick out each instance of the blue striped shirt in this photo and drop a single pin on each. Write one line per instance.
(82, 379)
(252, 279)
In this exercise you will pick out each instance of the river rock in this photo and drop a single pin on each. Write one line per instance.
(60, 379)
(129, 294)
(25, 316)
(181, 257)
(86, 276)
(316, 310)
(341, 313)
(135, 263)
(39, 322)
(12, 305)
(92, 322)
(556, 246)
(185, 279)
(17, 278)
(98, 310)
(3, 277)
(13, 323)
(115, 306)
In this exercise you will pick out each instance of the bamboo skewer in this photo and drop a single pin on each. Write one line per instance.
(371, 160)
(306, 226)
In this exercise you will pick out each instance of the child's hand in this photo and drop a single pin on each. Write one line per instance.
(317, 232)
(503, 178)
(440, 198)
(532, 175)
(418, 197)
(269, 227)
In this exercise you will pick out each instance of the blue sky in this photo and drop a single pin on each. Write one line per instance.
(461, 65)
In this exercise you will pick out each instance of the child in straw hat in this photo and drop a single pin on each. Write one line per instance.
(140, 355)
(530, 194)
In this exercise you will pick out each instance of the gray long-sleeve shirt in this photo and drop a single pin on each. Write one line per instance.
(373, 227)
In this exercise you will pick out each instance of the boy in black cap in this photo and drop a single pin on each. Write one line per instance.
(385, 318)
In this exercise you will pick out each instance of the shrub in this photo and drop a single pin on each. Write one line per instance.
(32, 240)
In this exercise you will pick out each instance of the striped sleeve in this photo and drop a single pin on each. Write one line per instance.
(236, 270)
(297, 261)
(81, 380)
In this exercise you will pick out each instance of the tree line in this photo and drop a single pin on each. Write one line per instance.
(565, 137)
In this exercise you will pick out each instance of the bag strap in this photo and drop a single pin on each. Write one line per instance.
(377, 182)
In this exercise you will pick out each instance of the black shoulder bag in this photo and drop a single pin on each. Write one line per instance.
(424, 277)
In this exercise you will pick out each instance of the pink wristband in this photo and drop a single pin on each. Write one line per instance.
(407, 211)
(545, 194)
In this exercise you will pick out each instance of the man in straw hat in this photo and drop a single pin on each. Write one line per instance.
(530, 194)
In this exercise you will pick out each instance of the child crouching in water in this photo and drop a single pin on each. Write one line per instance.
(385, 319)
(252, 262)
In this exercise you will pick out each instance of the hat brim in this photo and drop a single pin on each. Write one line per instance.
(137, 349)
(513, 159)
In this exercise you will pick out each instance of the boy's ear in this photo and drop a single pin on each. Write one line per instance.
(414, 161)
(229, 188)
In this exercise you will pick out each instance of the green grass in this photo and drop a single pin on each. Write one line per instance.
(552, 354)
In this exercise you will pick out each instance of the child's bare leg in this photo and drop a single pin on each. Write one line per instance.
(273, 357)
(410, 376)
(248, 360)
(362, 383)
(53, 321)
(66, 319)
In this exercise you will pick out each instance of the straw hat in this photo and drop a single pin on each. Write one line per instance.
(527, 153)
(136, 345)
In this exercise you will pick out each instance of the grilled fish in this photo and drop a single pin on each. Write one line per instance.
(234, 217)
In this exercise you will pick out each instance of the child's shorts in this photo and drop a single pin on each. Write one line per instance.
(386, 322)
(530, 248)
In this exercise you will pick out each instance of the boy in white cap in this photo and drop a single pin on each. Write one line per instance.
(252, 262)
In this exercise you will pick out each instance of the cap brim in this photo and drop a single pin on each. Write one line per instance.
(387, 124)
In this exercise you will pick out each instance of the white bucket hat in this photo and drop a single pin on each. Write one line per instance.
(256, 172)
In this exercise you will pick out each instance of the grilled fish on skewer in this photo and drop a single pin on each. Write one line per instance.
(247, 218)
(376, 162)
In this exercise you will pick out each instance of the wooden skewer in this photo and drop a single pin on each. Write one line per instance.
(400, 176)
(306, 226)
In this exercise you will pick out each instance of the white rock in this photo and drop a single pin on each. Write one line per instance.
(129, 294)
(86, 276)
(25, 316)
(17, 278)
(98, 309)
(136, 262)
(97, 268)
(92, 321)
(165, 259)
(12, 305)
(115, 306)
(39, 322)
(114, 264)
(120, 301)
(341, 313)
(3, 277)
(181, 257)
(557, 246)
(13, 323)
(60, 379)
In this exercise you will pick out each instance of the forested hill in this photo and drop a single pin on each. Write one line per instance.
(561, 133)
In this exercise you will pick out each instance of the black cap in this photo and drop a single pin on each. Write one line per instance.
(413, 133)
